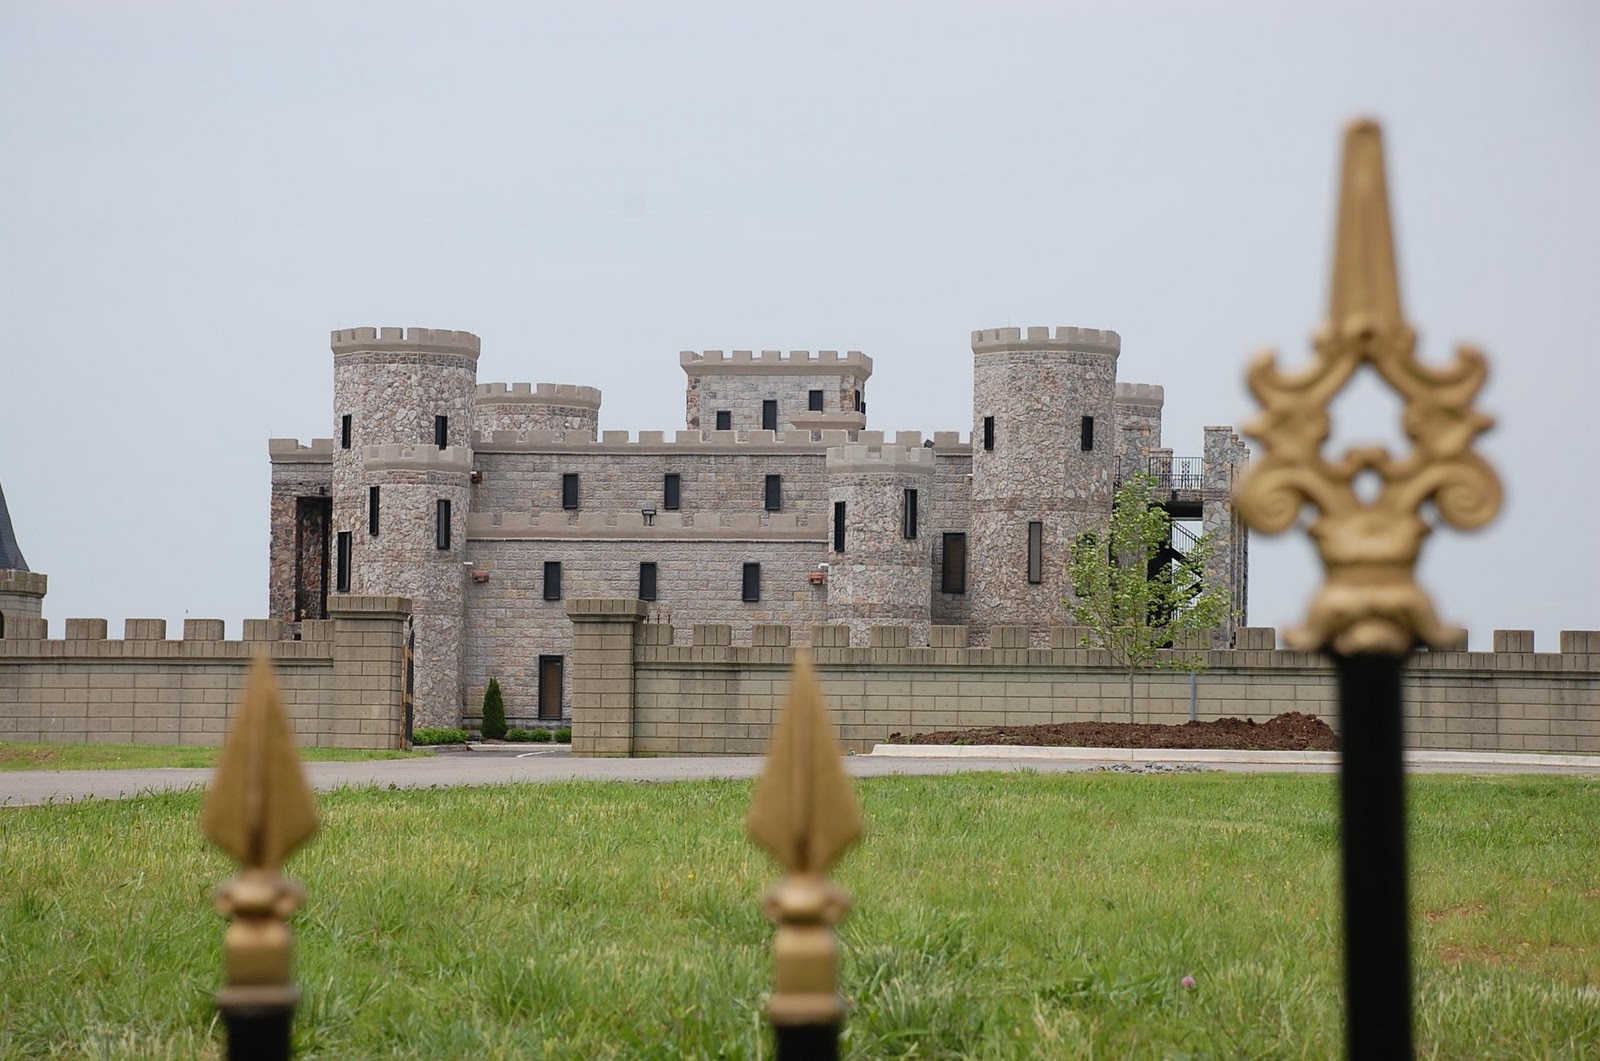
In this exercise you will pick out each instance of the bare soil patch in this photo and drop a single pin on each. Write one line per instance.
(1291, 731)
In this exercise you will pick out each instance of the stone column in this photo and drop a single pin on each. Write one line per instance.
(366, 708)
(1225, 460)
(21, 602)
(603, 636)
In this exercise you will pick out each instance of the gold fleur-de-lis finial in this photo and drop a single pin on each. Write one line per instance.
(805, 814)
(1370, 602)
(259, 809)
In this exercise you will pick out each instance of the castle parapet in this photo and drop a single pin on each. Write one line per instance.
(913, 459)
(775, 362)
(530, 441)
(292, 451)
(630, 524)
(404, 340)
(24, 583)
(566, 394)
(1065, 340)
(417, 457)
(1141, 394)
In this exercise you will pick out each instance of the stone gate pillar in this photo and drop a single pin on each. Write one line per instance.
(603, 634)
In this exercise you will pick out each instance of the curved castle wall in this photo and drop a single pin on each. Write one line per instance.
(1038, 387)
(881, 577)
(543, 407)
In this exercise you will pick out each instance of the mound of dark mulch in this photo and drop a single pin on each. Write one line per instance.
(1291, 731)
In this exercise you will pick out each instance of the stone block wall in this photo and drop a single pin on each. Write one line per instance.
(739, 384)
(342, 682)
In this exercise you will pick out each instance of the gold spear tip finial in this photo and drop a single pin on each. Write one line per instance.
(804, 811)
(1366, 281)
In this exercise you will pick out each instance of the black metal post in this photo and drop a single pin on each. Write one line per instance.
(807, 1042)
(258, 1032)
(1377, 951)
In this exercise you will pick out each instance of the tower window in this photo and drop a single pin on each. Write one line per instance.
(838, 526)
(647, 580)
(861, 406)
(988, 432)
(441, 431)
(671, 491)
(569, 490)
(908, 515)
(441, 530)
(1035, 553)
(774, 493)
(372, 511)
(1086, 435)
(552, 580)
(341, 569)
(769, 415)
(814, 401)
(344, 431)
(724, 420)
(953, 571)
(752, 582)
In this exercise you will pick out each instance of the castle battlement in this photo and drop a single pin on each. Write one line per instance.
(28, 583)
(898, 459)
(1066, 339)
(1141, 394)
(538, 394)
(707, 441)
(824, 362)
(629, 524)
(416, 457)
(292, 451)
(404, 340)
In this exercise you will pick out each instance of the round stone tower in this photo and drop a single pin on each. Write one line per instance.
(880, 578)
(524, 407)
(402, 469)
(1043, 467)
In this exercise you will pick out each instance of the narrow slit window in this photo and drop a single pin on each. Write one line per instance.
(672, 491)
(569, 490)
(552, 580)
(908, 515)
(724, 420)
(1086, 434)
(341, 577)
(859, 405)
(372, 511)
(774, 498)
(838, 526)
(1035, 553)
(752, 582)
(344, 431)
(988, 432)
(953, 573)
(441, 431)
(814, 401)
(647, 580)
(769, 415)
(441, 531)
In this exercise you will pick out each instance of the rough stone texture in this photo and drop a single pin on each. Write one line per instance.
(1226, 458)
(741, 383)
(302, 482)
(881, 577)
(1037, 387)
(1138, 425)
(952, 503)
(541, 407)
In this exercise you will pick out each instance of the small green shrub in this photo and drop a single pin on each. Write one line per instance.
(494, 712)
(564, 736)
(519, 736)
(540, 736)
(438, 735)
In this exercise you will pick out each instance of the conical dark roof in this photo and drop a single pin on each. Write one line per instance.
(10, 553)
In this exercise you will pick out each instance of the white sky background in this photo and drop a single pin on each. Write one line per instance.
(193, 194)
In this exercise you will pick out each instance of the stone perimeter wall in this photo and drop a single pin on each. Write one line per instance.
(639, 692)
(342, 683)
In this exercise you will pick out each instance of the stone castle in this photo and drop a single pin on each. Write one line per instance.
(489, 504)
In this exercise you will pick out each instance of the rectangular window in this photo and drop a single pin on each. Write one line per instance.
(814, 401)
(1035, 553)
(671, 491)
(341, 577)
(908, 515)
(858, 401)
(441, 431)
(838, 526)
(647, 580)
(552, 580)
(1086, 435)
(550, 668)
(372, 511)
(953, 575)
(569, 490)
(344, 431)
(774, 493)
(988, 432)
(441, 530)
(724, 420)
(769, 415)
(752, 582)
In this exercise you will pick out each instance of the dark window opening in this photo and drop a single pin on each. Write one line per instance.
(647, 580)
(724, 420)
(344, 431)
(569, 490)
(441, 431)
(341, 576)
(671, 491)
(814, 401)
(1035, 553)
(953, 573)
(908, 515)
(2, 626)
(859, 404)
(441, 531)
(1086, 436)
(988, 432)
(774, 493)
(752, 582)
(769, 415)
(372, 511)
(838, 526)
(552, 580)
(550, 668)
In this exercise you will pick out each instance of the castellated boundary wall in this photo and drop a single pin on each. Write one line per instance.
(638, 691)
(343, 682)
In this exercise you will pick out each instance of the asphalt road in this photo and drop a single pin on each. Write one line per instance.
(517, 766)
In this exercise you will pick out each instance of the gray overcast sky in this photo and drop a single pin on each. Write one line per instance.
(193, 194)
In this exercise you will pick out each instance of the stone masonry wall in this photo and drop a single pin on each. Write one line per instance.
(741, 383)
(545, 407)
(1225, 460)
(1138, 424)
(952, 504)
(881, 576)
(297, 471)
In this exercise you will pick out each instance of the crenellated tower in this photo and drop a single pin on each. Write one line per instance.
(536, 407)
(880, 526)
(771, 391)
(1044, 444)
(402, 469)
(21, 590)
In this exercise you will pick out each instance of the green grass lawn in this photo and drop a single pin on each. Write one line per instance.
(996, 916)
(17, 756)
